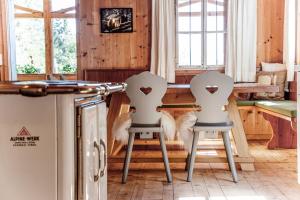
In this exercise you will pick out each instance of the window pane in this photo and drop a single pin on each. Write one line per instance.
(183, 5)
(59, 4)
(64, 45)
(196, 50)
(184, 49)
(222, 15)
(183, 24)
(196, 12)
(196, 23)
(211, 16)
(220, 48)
(33, 4)
(30, 46)
(211, 49)
(196, 6)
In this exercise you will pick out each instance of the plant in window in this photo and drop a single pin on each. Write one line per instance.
(64, 47)
(28, 68)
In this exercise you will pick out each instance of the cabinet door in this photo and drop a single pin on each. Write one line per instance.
(90, 152)
(102, 128)
(28, 148)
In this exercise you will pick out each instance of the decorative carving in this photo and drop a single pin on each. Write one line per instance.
(145, 92)
(211, 91)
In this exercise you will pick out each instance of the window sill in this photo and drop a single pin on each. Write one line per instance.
(30, 77)
(195, 71)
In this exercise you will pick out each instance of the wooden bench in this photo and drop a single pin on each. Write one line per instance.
(282, 116)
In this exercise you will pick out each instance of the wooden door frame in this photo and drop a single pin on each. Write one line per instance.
(4, 69)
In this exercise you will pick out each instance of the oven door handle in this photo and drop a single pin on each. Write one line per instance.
(102, 172)
(96, 177)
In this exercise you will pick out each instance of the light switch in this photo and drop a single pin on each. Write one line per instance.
(1, 59)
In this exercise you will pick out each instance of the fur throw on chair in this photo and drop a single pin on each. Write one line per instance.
(123, 123)
(184, 125)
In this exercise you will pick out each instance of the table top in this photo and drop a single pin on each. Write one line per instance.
(238, 87)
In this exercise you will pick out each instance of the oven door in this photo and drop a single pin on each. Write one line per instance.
(90, 150)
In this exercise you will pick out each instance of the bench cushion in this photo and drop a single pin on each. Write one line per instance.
(246, 103)
(287, 108)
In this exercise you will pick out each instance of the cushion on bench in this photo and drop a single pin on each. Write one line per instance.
(246, 103)
(287, 108)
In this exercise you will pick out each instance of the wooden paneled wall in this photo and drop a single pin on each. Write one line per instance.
(270, 24)
(114, 51)
(132, 50)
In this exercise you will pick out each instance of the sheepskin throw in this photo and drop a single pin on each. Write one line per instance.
(184, 125)
(124, 121)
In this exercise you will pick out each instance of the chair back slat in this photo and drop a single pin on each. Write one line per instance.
(211, 91)
(145, 92)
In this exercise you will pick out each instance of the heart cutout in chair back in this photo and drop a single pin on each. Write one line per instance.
(212, 89)
(146, 90)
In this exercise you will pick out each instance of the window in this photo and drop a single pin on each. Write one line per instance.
(45, 32)
(201, 33)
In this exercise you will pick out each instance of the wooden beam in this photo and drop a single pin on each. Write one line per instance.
(4, 69)
(62, 15)
(187, 3)
(199, 14)
(48, 36)
(29, 15)
(118, 105)
(65, 10)
(239, 134)
(29, 10)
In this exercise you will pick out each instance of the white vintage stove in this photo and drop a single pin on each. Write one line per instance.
(53, 140)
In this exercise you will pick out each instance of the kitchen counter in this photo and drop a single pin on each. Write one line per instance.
(53, 137)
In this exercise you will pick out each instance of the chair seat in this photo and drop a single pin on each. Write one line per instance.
(225, 126)
(145, 128)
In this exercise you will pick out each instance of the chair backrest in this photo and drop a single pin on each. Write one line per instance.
(145, 92)
(211, 91)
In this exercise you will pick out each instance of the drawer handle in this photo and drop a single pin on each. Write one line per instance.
(96, 177)
(33, 91)
(102, 172)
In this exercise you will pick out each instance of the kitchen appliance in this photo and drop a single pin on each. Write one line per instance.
(53, 140)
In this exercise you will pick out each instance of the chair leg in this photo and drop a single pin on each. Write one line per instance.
(128, 156)
(187, 161)
(165, 157)
(193, 156)
(229, 154)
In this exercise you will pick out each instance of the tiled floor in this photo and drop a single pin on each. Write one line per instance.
(275, 178)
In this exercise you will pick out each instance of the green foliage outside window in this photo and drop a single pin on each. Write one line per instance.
(30, 46)
(64, 45)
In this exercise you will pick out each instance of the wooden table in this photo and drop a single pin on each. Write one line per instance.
(180, 94)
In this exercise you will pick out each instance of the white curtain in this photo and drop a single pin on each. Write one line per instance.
(163, 50)
(289, 41)
(241, 40)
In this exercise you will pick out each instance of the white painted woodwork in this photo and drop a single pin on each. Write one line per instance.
(146, 102)
(47, 171)
(213, 101)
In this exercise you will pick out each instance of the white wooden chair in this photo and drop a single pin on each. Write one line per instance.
(145, 92)
(211, 91)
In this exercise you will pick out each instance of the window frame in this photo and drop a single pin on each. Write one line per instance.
(47, 15)
(203, 33)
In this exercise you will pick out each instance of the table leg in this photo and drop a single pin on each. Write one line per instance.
(118, 105)
(239, 135)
